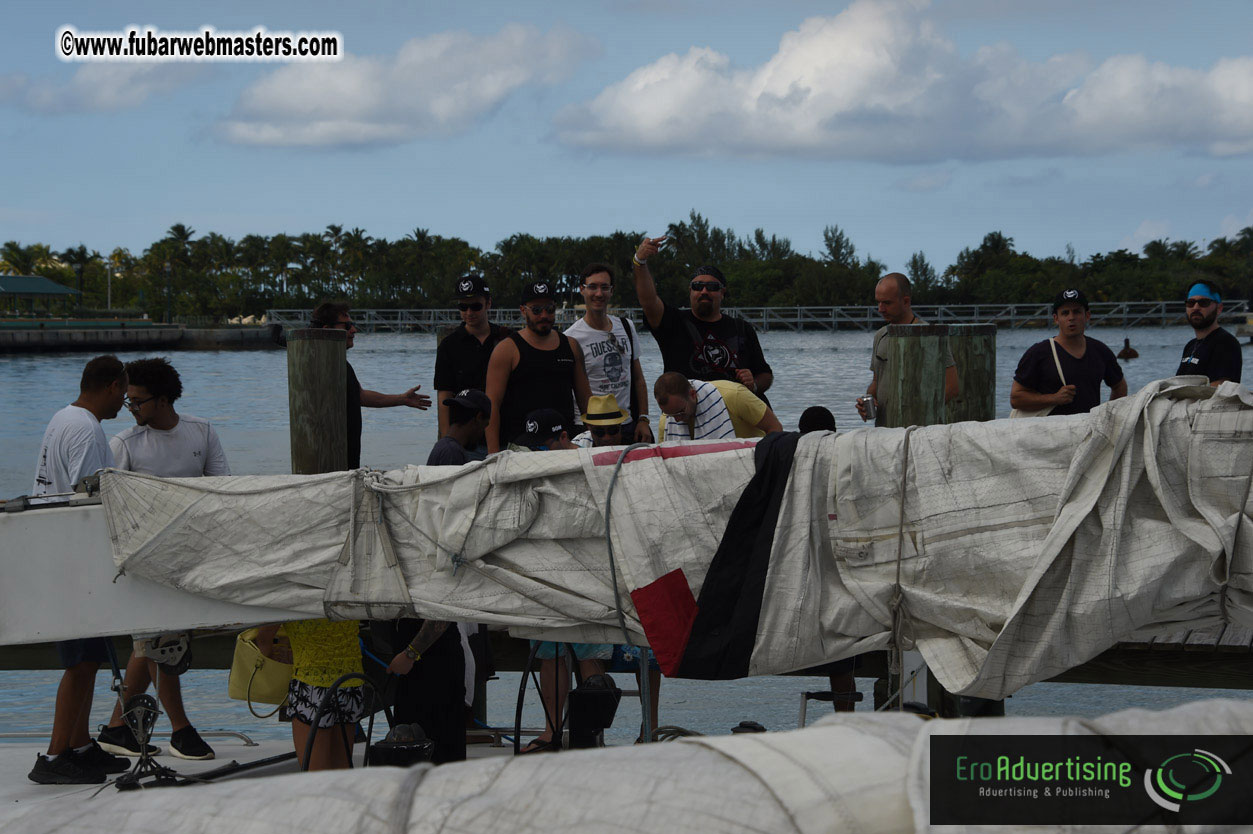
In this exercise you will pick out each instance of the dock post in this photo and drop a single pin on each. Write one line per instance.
(974, 351)
(317, 397)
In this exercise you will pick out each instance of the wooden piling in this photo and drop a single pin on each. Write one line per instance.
(911, 388)
(974, 350)
(317, 396)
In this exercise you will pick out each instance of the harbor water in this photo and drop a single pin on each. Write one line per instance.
(244, 394)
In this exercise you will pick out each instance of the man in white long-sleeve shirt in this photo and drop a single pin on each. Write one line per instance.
(74, 447)
(169, 445)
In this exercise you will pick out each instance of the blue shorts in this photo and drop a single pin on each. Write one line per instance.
(83, 650)
(582, 651)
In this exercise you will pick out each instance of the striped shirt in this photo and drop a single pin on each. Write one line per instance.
(712, 420)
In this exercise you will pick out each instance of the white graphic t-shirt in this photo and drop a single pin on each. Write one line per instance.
(73, 448)
(607, 357)
(188, 450)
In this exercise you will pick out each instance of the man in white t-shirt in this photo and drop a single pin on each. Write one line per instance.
(611, 351)
(169, 445)
(74, 447)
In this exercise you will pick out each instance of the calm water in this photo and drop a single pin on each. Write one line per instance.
(245, 395)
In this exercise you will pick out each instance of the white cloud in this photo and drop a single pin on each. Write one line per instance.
(1233, 224)
(437, 85)
(102, 87)
(879, 81)
(1205, 180)
(1146, 231)
(926, 181)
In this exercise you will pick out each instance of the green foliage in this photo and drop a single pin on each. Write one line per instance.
(221, 278)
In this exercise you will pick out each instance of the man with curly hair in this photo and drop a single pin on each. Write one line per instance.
(169, 445)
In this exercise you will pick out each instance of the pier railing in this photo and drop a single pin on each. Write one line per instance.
(1104, 313)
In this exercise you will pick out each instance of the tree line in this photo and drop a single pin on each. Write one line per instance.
(218, 277)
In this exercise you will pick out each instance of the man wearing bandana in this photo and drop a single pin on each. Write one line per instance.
(1214, 352)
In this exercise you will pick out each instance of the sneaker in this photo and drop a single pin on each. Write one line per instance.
(66, 769)
(187, 744)
(95, 757)
(122, 741)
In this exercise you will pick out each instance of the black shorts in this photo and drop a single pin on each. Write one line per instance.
(83, 650)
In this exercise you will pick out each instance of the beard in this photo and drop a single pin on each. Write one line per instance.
(1200, 320)
(540, 328)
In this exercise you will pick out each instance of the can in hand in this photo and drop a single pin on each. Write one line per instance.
(868, 406)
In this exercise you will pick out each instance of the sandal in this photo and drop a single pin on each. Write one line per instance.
(540, 746)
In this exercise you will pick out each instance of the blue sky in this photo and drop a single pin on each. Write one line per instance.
(911, 125)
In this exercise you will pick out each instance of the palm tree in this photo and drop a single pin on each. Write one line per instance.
(78, 259)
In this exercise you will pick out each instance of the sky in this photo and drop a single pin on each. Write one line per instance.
(912, 125)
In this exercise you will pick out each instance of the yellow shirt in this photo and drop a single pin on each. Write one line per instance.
(745, 407)
(324, 650)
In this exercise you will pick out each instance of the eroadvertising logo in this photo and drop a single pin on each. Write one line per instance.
(1091, 780)
(532, 427)
(1185, 777)
(465, 286)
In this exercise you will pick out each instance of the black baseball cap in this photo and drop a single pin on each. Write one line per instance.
(472, 398)
(537, 290)
(540, 426)
(471, 285)
(1070, 297)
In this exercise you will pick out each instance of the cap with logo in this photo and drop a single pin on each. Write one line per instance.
(1070, 297)
(539, 427)
(471, 285)
(603, 410)
(538, 290)
(472, 398)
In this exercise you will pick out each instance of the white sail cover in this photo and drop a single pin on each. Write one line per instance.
(859, 772)
(1025, 547)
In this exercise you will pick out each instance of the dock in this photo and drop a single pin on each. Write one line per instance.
(765, 319)
(47, 336)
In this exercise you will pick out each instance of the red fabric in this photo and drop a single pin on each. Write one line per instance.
(667, 610)
(668, 452)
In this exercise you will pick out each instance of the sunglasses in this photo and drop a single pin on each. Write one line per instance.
(708, 286)
(135, 405)
(537, 309)
(473, 308)
(1203, 303)
(604, 431)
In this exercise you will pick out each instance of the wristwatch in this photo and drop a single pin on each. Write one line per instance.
(411, 653)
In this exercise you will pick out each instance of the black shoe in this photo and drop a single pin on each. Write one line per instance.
(95, 757)
(122, 741)
(187, 744)
(66, 769)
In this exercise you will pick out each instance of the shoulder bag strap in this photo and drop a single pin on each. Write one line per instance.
(1056, 361)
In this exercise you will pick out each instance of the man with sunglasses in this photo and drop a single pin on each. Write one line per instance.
(462, 355)
(1214, 352)
(169, 445)
(535, 368)
(700, 342)
(1084, 362)
(606, 423)
(611, 350)
(334, 314)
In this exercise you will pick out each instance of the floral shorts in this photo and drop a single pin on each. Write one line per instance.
(346, 707)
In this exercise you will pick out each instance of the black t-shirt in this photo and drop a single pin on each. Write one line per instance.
(354, 419)
(461, 360)
(1217, 356)
(542, 379)
(1037, 372)
(708, 350)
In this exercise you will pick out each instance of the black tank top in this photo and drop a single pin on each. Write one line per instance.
(543, 379)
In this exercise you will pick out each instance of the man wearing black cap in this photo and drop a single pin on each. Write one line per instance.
(1064, 373)
(701, 342)
(468, 415)
(537, 367)
(543, 430)
(1214, 352)
(461, 358)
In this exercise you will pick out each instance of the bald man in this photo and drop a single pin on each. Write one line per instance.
(892, 294)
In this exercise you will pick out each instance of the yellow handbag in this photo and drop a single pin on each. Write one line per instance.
(255, 677)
